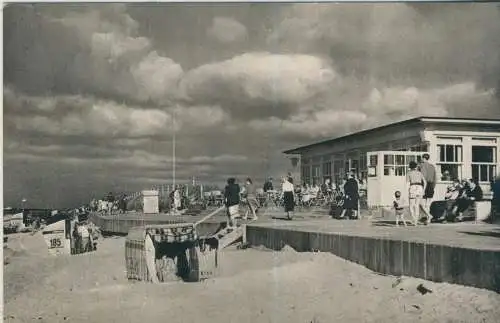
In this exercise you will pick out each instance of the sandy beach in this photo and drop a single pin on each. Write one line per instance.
(253, 285)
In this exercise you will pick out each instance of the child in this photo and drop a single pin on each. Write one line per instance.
(398, 204)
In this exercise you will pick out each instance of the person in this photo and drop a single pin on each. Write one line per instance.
(399, 205)
(122, 204)
(110, 199)
(351, 196)
(84, 234)
(251, 197)
(288, 201)
(472, 193)
(232, 201)
(416, 183)
(326, 188)
(177, 198)
(446, 176)
(429, 172)
(268, 185)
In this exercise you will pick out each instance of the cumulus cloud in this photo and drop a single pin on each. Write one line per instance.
(227, 30)
(86, 51)
(255, 83)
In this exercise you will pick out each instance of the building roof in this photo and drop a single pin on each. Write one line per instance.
(472, 121)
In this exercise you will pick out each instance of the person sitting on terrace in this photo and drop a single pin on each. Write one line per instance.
(472, 192)
(446, 176)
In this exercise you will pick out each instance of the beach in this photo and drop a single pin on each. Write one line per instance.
(252, 285)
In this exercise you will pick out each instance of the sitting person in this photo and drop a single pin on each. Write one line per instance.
(472, 192)
(453, 192)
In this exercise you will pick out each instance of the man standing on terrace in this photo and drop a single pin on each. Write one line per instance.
(429, 172)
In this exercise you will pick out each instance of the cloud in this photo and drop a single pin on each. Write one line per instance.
(93, 89)
(88, 116)
(397, 42)
(86, 52)
(227, 30)
(255, 83)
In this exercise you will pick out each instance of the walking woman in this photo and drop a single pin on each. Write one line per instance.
(416, 183)
(232, 201)
(288, 201)
(251, 197)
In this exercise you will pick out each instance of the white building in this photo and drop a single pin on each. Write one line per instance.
(460, 148)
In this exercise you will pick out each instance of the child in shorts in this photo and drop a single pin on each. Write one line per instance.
(398, 205)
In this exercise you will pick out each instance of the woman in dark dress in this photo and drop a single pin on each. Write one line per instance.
(288, 199)
(351, 197)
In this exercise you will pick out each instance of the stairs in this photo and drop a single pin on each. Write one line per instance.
(228, 236)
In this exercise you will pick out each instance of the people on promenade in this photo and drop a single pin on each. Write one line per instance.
(429, 172)
(251, 198)
(232, 201)
(471, 194)
(416, 183)
(288, 199)
(351, 197)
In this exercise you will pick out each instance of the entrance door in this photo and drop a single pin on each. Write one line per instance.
(387, 174)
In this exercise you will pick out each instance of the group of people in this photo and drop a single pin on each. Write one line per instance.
(421, 180)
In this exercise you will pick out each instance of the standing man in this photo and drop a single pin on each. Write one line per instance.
(429, 172)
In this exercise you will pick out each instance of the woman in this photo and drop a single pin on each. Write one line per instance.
(251, 198)
(232, 201)
(287, 189)
(351, 196)
(416, 183)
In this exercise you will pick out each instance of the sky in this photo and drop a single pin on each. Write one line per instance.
(91, 91)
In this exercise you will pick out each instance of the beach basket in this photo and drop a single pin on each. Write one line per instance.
(160, 253)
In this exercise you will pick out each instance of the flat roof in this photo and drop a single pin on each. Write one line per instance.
(399, 123)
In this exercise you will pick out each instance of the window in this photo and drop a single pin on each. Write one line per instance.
(315, 174)
(450, 160)
(338, 170)
(394, 165)
(327, 170)
(483, 163)
(306, 174)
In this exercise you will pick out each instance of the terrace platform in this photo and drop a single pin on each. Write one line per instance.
(459, 253)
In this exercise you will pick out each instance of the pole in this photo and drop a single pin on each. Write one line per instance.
(173, 146)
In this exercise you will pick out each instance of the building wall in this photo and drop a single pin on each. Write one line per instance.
(334, 160)
(465, 152)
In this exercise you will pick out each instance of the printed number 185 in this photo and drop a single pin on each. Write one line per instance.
(55, 243)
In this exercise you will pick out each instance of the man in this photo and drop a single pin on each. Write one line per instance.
(429, 172)
(268, 186)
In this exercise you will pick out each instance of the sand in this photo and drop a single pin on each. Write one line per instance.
(253, 286)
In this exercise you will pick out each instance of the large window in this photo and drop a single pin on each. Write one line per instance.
(306, 174)
(484, 160)
(450, 160)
